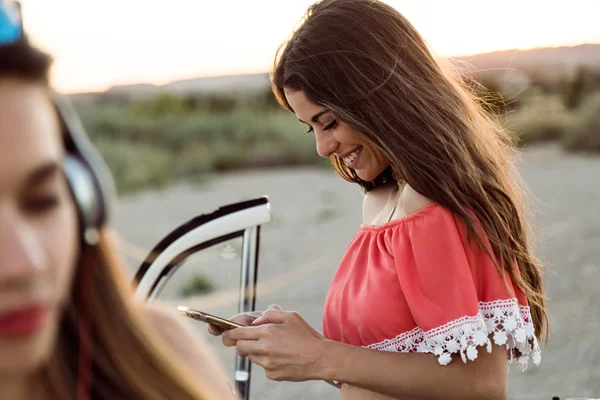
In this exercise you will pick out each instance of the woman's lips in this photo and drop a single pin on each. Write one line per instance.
(23, 321)
(351, 158)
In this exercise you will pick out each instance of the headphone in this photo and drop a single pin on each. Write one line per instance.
(92, 187)
(89, 179)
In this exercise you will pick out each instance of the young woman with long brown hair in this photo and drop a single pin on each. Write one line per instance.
(440, 287)
(69, 328)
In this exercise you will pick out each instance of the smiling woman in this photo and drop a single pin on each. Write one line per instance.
(69, 327)
(440, 287)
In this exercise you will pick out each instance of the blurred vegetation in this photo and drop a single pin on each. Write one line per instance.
(197, 285)
(165, 138)
(585, 135)
(562, 107)
(154, 142)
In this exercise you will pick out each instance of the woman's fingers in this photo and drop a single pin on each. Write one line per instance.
(244, 319)
(274, 317)
(245, 333)
(214, 330)
(250, 348)
(251, 334)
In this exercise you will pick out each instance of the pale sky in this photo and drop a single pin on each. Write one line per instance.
(100, 43)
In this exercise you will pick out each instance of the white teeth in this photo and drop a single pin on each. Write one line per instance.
(350, 158)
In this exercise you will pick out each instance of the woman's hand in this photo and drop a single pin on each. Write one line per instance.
(243, 319)
(285, 345)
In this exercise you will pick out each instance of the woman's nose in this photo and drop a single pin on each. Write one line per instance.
(21, 253)
(326, 143)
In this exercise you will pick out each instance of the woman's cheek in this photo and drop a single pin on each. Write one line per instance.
(63, 248)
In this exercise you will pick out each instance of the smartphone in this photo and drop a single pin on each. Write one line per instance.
(207, 318)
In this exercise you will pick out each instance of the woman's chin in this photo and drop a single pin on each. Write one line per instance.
(371, 171)
(27, 356)
(365, 174)
(28, 353)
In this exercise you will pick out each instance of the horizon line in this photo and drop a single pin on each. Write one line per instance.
(263, 72)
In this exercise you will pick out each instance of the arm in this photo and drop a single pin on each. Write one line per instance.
(417, 375)
(290, 350)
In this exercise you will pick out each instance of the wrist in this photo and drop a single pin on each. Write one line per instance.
(331, 360)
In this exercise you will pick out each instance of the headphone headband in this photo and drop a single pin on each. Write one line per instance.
(89, 178)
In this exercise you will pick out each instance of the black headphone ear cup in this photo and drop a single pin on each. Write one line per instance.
(83, 189)
(88, 176)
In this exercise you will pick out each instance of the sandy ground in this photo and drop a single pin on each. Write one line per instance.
(315, 214)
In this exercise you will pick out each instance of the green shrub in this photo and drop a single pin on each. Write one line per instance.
(576, 89)
(532, 126)
(585, 135)
(264, 101)
(164, 103)
(197, 285)
(541, 118)
(136, 166)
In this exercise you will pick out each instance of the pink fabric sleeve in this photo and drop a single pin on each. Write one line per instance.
(456, 295)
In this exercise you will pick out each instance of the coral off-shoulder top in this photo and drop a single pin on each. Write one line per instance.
(417, 284)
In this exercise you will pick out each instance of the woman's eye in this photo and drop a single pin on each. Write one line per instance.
(330, 125)
(41, 205)
(326, 127)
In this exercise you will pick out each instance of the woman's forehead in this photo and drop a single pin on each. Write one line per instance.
(29, 132)
(303, 107)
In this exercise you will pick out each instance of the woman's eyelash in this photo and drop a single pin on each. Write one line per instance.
(42, 204)
(327, 127)
(330, 125)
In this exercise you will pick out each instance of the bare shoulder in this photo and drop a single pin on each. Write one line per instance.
(375, 200)
(413, 201)
(187, 345)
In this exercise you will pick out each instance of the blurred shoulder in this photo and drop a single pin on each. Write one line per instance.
(174, 329)
(187, 344)
(165, 321)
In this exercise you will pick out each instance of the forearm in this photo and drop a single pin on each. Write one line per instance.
(416, 375)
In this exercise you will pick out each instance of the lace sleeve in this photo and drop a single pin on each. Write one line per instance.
(457, 298)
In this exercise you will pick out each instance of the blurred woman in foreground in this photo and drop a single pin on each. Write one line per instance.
(69, 327)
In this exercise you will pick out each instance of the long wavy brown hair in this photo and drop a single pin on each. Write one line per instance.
(122, 357)
(370, 67)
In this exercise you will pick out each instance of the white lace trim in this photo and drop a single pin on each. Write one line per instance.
(509, 323)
